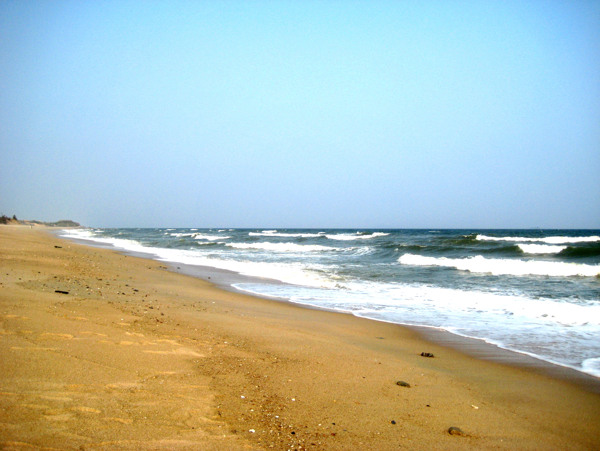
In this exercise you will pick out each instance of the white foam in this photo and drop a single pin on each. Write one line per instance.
(495, 266)
(548, 240)
(291, 273)
(542, 310)
(591, 366)
(541, 248)
(282, 247)
(419, 300)
(274, 233)
(81, 234)
(121, 243)
(355, 236)
(199, 236)
(511, 321)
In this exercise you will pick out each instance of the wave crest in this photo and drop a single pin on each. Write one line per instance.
(199, 236)
(547, 240)
(281, 247)
(541, 248)
(356, 236)
(275, 233)
(495, 266)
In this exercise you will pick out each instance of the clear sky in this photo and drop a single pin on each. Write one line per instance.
(301, 113)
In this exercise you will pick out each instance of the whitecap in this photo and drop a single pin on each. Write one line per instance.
(199, 236)
(282, 247)
(78, 233)
(591, 366)
(356, 236)
(274, 233)
(121, 243)
(541, 248)
(495, 266)
(547, 240)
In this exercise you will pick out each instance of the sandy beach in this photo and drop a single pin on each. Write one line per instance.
(105, 351)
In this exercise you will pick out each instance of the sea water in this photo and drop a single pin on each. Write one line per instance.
(532, 291)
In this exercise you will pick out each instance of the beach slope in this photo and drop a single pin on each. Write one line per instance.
(104, 351)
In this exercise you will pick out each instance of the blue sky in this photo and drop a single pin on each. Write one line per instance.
(301, 113)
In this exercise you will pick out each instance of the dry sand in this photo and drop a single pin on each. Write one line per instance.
(139, 357)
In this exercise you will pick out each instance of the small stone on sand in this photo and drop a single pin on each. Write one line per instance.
(453, 430)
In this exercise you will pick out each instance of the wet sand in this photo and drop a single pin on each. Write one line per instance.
(106, 351)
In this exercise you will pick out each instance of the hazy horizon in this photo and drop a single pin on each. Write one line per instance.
(316, 114)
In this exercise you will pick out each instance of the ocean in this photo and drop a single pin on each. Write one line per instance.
(536, 292)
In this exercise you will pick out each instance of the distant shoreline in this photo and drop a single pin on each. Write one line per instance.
(65, 223)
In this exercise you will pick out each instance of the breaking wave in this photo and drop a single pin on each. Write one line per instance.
(355, 236)
(547, 240)
(496, 266)
(282, 247)
(541, 248)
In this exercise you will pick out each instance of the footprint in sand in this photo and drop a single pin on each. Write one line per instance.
(85, 409)
(123, 386)
(98, 334)
(7, 393)
(56, 398)
(120, 420)
(19, 332)
(165, 340)
(179, 351)
(134, 334)
(55, 336)
(36, 406)
(14, 317)
(57, 415)
(19, 348)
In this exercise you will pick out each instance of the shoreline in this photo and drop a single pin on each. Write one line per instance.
(472, 346)
(102, 350)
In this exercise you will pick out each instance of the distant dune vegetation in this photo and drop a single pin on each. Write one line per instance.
(62, 223)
